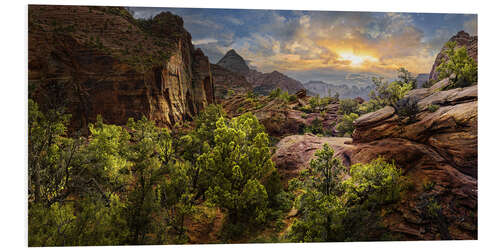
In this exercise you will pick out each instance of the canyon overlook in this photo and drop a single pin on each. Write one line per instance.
(101, 61)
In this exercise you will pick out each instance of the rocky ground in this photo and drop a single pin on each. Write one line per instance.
(438, 154)
(281, 117)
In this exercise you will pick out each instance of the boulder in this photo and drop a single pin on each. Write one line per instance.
(293, 153)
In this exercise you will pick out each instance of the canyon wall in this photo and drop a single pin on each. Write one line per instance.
(101, 61)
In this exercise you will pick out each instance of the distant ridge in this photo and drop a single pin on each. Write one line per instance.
(262, 83)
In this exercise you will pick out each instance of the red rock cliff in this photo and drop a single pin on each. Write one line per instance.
(101, 61)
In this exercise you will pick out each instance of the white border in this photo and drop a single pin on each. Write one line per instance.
(13, 103)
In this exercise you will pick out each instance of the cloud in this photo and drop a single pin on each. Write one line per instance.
(471, 26)
(304, 43)
(204, 41)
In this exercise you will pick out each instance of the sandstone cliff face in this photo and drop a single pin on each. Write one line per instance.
(226, 80)
(462, 39)
(438, 154)
(101, 61)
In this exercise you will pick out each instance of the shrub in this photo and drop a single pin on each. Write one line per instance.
(348, 106)
(346, 125)
(316, 127)
(432, 108)
(407, 108)
(318, 104)
(458, 64)
(389, 93)
(353, 211)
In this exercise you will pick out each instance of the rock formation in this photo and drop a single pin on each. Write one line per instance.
(102, 61)
(462, 39)
(294, 152)
(437, 152)
(262, 83)
(232, 61)
(282, 118)
(226, 81)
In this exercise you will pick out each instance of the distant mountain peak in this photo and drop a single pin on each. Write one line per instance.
(234, 62)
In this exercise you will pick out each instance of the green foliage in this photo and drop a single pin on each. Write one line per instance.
(346, 125)
(316, 127)
(389, 93)
(433, 209)
(96, 224)
(275, 93)
(407, 108)
(326, 171)
(405, 77)
(50, 154)
(149, 155)
(282, 95)
(350, 209)
(432, 108)
(348, 106)
(318, 104)
(251, 95)
(428, 186)
(459, 66)
(375, 183)
(236, 163)
(138, 184)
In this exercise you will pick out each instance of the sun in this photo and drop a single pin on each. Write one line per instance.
(356, 60)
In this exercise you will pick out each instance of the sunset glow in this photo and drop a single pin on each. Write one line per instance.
(356, 60)
(322, 45)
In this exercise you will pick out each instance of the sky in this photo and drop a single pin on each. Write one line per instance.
(322, 45)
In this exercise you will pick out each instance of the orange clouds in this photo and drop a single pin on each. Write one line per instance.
(348, 44)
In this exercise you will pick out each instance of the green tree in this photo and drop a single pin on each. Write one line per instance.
(326, 171)
(236, 165)
(334, 208)
(177, 202)
(459, 66)
(49, 154)
(149, 155)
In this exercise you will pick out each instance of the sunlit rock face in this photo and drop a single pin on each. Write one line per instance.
(101, 61)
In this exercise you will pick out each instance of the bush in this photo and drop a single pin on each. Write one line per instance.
(432, 108)
(282, 95)
(460, 65)
(352, 212)
(348, 106)
(346, 125)
(318, 104)
(316, 128)
(407, 108)
(389, 93)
